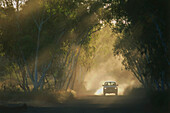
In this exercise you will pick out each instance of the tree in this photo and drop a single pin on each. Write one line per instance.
(144, 42)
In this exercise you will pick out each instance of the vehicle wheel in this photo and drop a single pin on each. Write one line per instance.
(116, 93)
(104, 93)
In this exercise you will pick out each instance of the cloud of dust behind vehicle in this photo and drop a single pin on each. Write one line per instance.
(111, 70)
(108, 67)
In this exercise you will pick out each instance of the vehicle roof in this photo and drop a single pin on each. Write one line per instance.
(110, 81)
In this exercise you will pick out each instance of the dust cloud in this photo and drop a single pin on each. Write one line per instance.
(111, 70)
(108, 67)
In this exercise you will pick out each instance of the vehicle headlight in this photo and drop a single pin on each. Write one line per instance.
(115, 87)
(105, 88)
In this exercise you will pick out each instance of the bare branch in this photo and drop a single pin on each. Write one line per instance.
(28, 70)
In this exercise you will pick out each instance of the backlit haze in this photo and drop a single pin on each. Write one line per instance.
(108, 67)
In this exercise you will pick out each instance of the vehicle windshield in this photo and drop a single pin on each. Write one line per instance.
(109, 83)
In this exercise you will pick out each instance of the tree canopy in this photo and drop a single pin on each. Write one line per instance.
(44, 39)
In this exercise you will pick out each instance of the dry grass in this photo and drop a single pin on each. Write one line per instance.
(39, 97)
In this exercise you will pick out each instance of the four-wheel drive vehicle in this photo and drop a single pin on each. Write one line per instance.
(110, 87)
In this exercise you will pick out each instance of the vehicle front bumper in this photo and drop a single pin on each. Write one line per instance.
(110, 90)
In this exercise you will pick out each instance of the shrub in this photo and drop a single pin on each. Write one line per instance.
(41, 97)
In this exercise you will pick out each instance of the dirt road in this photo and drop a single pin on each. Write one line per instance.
(94, 104)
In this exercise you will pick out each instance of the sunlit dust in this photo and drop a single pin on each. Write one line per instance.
(121, 89)
(108, 67)
(99, 91)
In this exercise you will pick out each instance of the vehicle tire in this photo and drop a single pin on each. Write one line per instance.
(104, 93)
(116, 92)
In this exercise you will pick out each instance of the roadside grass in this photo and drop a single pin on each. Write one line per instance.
(159, 101)
(41, 97)
(10, 91)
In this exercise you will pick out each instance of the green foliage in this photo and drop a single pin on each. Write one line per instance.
(144, 42)
(1, 51)
(140, 28)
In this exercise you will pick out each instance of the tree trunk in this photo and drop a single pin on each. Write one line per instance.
(36, 61)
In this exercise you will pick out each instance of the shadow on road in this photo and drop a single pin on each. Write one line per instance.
(88, 104)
